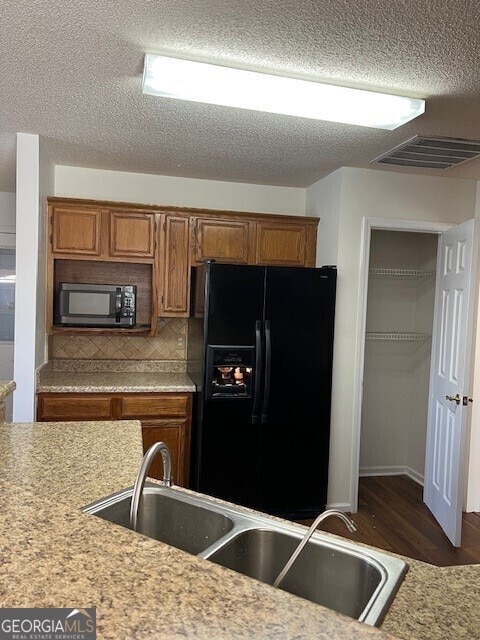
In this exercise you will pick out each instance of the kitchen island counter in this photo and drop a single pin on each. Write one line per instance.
(436, 603)
(54, 555)
(6, 388)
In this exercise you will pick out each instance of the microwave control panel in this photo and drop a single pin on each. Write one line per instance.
(128, 302)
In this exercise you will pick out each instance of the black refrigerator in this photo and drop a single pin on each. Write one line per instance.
(260, 346)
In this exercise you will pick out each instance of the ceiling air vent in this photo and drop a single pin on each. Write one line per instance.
(431, 153)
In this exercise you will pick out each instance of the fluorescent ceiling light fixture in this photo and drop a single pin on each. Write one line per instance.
(201, 82)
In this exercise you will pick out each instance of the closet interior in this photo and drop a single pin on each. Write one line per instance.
(400, 304)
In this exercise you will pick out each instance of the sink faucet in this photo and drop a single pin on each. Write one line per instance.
(142, 474)
(351, 526)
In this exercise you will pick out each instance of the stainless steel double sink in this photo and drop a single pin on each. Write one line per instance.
(357, 581)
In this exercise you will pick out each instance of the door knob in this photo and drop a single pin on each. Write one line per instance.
(453, 398)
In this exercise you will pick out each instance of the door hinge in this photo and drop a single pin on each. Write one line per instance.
(466, 400)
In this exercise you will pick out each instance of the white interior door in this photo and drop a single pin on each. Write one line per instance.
(450, 377)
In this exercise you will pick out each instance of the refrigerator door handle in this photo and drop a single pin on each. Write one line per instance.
(258, 370)
(268, 365)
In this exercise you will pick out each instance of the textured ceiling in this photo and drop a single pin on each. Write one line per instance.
(71, 72)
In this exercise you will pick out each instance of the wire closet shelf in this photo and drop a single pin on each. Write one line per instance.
(410, 273)
(398, 335)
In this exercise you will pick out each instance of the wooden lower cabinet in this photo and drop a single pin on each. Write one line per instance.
(164, 417)
(176, 435)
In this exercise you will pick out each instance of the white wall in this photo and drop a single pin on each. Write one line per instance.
(477, 203)
(323, 201)
(35, 180)
(368, 193)
(7, 210)
(78, 182)
(472, 497)
(46, 188)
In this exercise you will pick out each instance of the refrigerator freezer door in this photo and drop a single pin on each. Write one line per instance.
(234, 302)
(294, 438)
(227, 463)
(229, 451)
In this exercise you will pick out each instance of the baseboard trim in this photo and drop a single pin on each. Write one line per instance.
(392, 470)
(414, 475)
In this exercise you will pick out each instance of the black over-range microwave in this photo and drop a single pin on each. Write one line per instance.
(95, 305)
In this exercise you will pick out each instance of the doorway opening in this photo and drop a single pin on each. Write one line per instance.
(452, 376)
(368, 226)
(397, 350)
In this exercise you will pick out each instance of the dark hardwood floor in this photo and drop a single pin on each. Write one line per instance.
(392, 516)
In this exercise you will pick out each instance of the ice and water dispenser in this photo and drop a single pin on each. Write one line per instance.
(229, 371)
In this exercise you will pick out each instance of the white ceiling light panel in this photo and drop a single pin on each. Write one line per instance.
(213, 84)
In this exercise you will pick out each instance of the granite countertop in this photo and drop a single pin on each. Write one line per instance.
(113, 382)
(53, 555)
(113, 376)
(6, 388)
(436, 603)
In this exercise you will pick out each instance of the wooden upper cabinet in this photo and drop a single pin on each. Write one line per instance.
(285, 244)
(171, 240)
(222, 239)
(76, 231)
(99, 232)
(131, 234)
(173, 266)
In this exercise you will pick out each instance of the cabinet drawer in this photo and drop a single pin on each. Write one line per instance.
(74, 407)
(138, 406)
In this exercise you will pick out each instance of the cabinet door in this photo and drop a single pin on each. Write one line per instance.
(76, 231)
(281, 244)
(174, 272)
(132, 235)
(221, 239)
(176, 436)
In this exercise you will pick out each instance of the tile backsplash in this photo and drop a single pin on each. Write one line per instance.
(170, 343)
